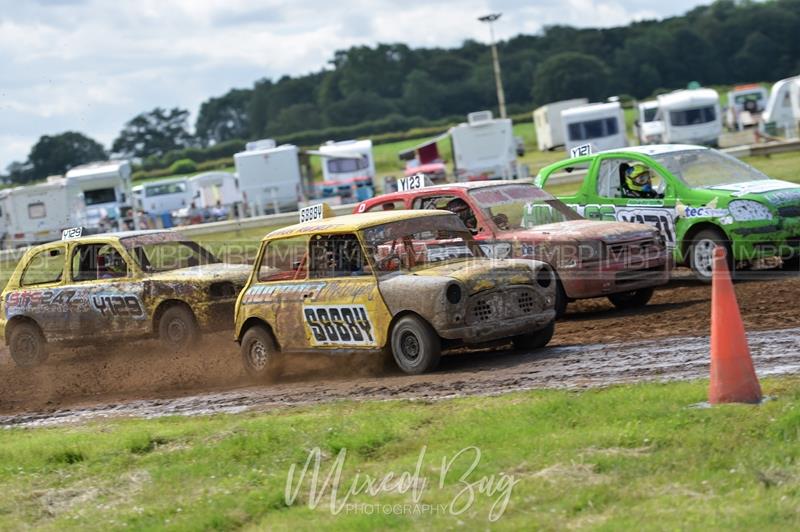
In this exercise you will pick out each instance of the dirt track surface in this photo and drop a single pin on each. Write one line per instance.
(594, 345)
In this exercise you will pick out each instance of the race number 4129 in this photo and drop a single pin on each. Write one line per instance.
(412, 182)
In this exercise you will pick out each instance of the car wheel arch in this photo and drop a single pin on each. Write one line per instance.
(251, 322)
(691, 232)
(400, 315)
(17, 320)
(166, 304)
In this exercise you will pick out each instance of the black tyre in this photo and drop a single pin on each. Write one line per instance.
(701, 253)
(632, 299)
(27, 345)
(177, 328)
(561, 300)
(260, 354)
(791, 264)
(415, 345)
(536, 339)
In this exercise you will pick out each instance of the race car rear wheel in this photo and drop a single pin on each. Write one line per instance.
(27, 345)
(415, 345)
(701, 253)
(535, 340)
(632, 299)
(260, 354)
(177, 327)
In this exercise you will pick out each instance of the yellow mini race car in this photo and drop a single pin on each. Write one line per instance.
(105, 289)
(406, 282)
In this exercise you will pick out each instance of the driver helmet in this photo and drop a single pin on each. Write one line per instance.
(638, 179)
(114, 263)
(460, 207)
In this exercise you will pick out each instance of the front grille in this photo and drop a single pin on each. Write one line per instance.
(791, 211)
(497, 305)
(637, 248)
(634, 276)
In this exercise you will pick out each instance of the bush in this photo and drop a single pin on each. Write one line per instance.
(183, 166)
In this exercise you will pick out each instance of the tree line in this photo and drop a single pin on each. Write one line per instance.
(371, 88)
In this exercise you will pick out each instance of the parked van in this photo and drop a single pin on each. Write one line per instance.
(691, 117)
(484, 148)
(269, 177)
(745, 105)
(600, 124)
(649, 129)
(547, 119)
(782, 113)
(104, 191)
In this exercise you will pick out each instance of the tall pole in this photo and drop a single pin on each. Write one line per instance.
(498, 80)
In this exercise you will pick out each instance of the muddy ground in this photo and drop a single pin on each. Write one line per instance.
(141, 379)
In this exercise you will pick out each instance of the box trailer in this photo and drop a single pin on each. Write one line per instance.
(649, 128)
(484, 148)
(691, 117)
(782, 113)
(602, 125)
(547, 120)
(104, 191)
(269, 177)
(745, 105)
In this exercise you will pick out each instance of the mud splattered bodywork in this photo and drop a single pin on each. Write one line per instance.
(74, 297)
(440, 276)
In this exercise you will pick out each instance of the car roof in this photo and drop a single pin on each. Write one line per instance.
(349, 223)
(655, 149)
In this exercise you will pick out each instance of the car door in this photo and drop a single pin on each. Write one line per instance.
(347, 311)
(40, 295)
(613, 204)
(112, 299)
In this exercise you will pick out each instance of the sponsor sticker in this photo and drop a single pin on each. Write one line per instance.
(334, 325)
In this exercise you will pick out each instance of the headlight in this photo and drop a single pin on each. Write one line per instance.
(454, 293)
(749, 211)
(591, 250)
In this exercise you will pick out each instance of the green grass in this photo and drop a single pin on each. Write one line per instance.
(636, 456)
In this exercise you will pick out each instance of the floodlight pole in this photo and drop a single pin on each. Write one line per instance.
(498, 81)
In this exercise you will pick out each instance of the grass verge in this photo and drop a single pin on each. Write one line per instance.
(636, 456)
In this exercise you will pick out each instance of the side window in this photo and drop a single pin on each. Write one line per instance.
(567, 180)
(611, 182)
(91, 262)
(387, 206)
(608, 179)
(47, 266)
(36, 210)
(336, 256)
(450, 203)
(285, 259)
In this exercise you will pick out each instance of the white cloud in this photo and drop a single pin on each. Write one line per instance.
(91, 65)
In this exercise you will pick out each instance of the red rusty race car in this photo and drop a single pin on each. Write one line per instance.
(621, 261)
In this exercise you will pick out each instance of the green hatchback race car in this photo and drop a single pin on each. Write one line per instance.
(699, 198)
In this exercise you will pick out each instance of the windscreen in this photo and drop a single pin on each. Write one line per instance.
(164, 189)
(593, 129)
(514, 207)
(341, 166)
(703, 168)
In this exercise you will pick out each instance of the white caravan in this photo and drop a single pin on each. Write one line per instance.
(347, 160)
(104, 191)
(745, 105)
(782, 114)
(602, 125)
(547, 119)
(269, 177)
(691, 117)
(38, 213)
(484, 148)
(649, 129)
(210, 189)
(157, 198)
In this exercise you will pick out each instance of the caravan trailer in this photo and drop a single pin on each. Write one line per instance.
(782, 114)
(691, 117)
(547, 119)
(163, 197)
(348, 169)
(36, 214)
(745, 105)
(484, 148)
(649, 128)
(104, 190)
(210, 189)
(269, 176)
(602, 125)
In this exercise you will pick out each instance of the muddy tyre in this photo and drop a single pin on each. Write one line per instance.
(177, 328)
(791, 264)
(561, 300)
(535, 340)
(27, 345)
(416, 347)
(260, 354)
(632, 299)
(701, 253)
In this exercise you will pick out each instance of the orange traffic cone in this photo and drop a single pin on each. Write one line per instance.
(733, 379)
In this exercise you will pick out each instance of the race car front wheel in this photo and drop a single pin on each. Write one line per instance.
(632, 299)
(415, 345)
(701, 253)
(260, 354)
(27, 345)
(178, 328)
(535, 340)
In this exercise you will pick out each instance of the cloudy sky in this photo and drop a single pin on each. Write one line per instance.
(91, 65)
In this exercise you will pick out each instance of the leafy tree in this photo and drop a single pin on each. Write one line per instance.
(224, 118)
(20, 173)
(154, 133)
(54, 155)
(570, 75)
(297, 117)
(358, 107)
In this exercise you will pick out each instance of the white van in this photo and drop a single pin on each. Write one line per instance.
(600, 124)
(649, 129)
(691, 117)
(547, 120)
(484, 148)
(269, 177)
(745, 105)
(782, 113)
(104, 189)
